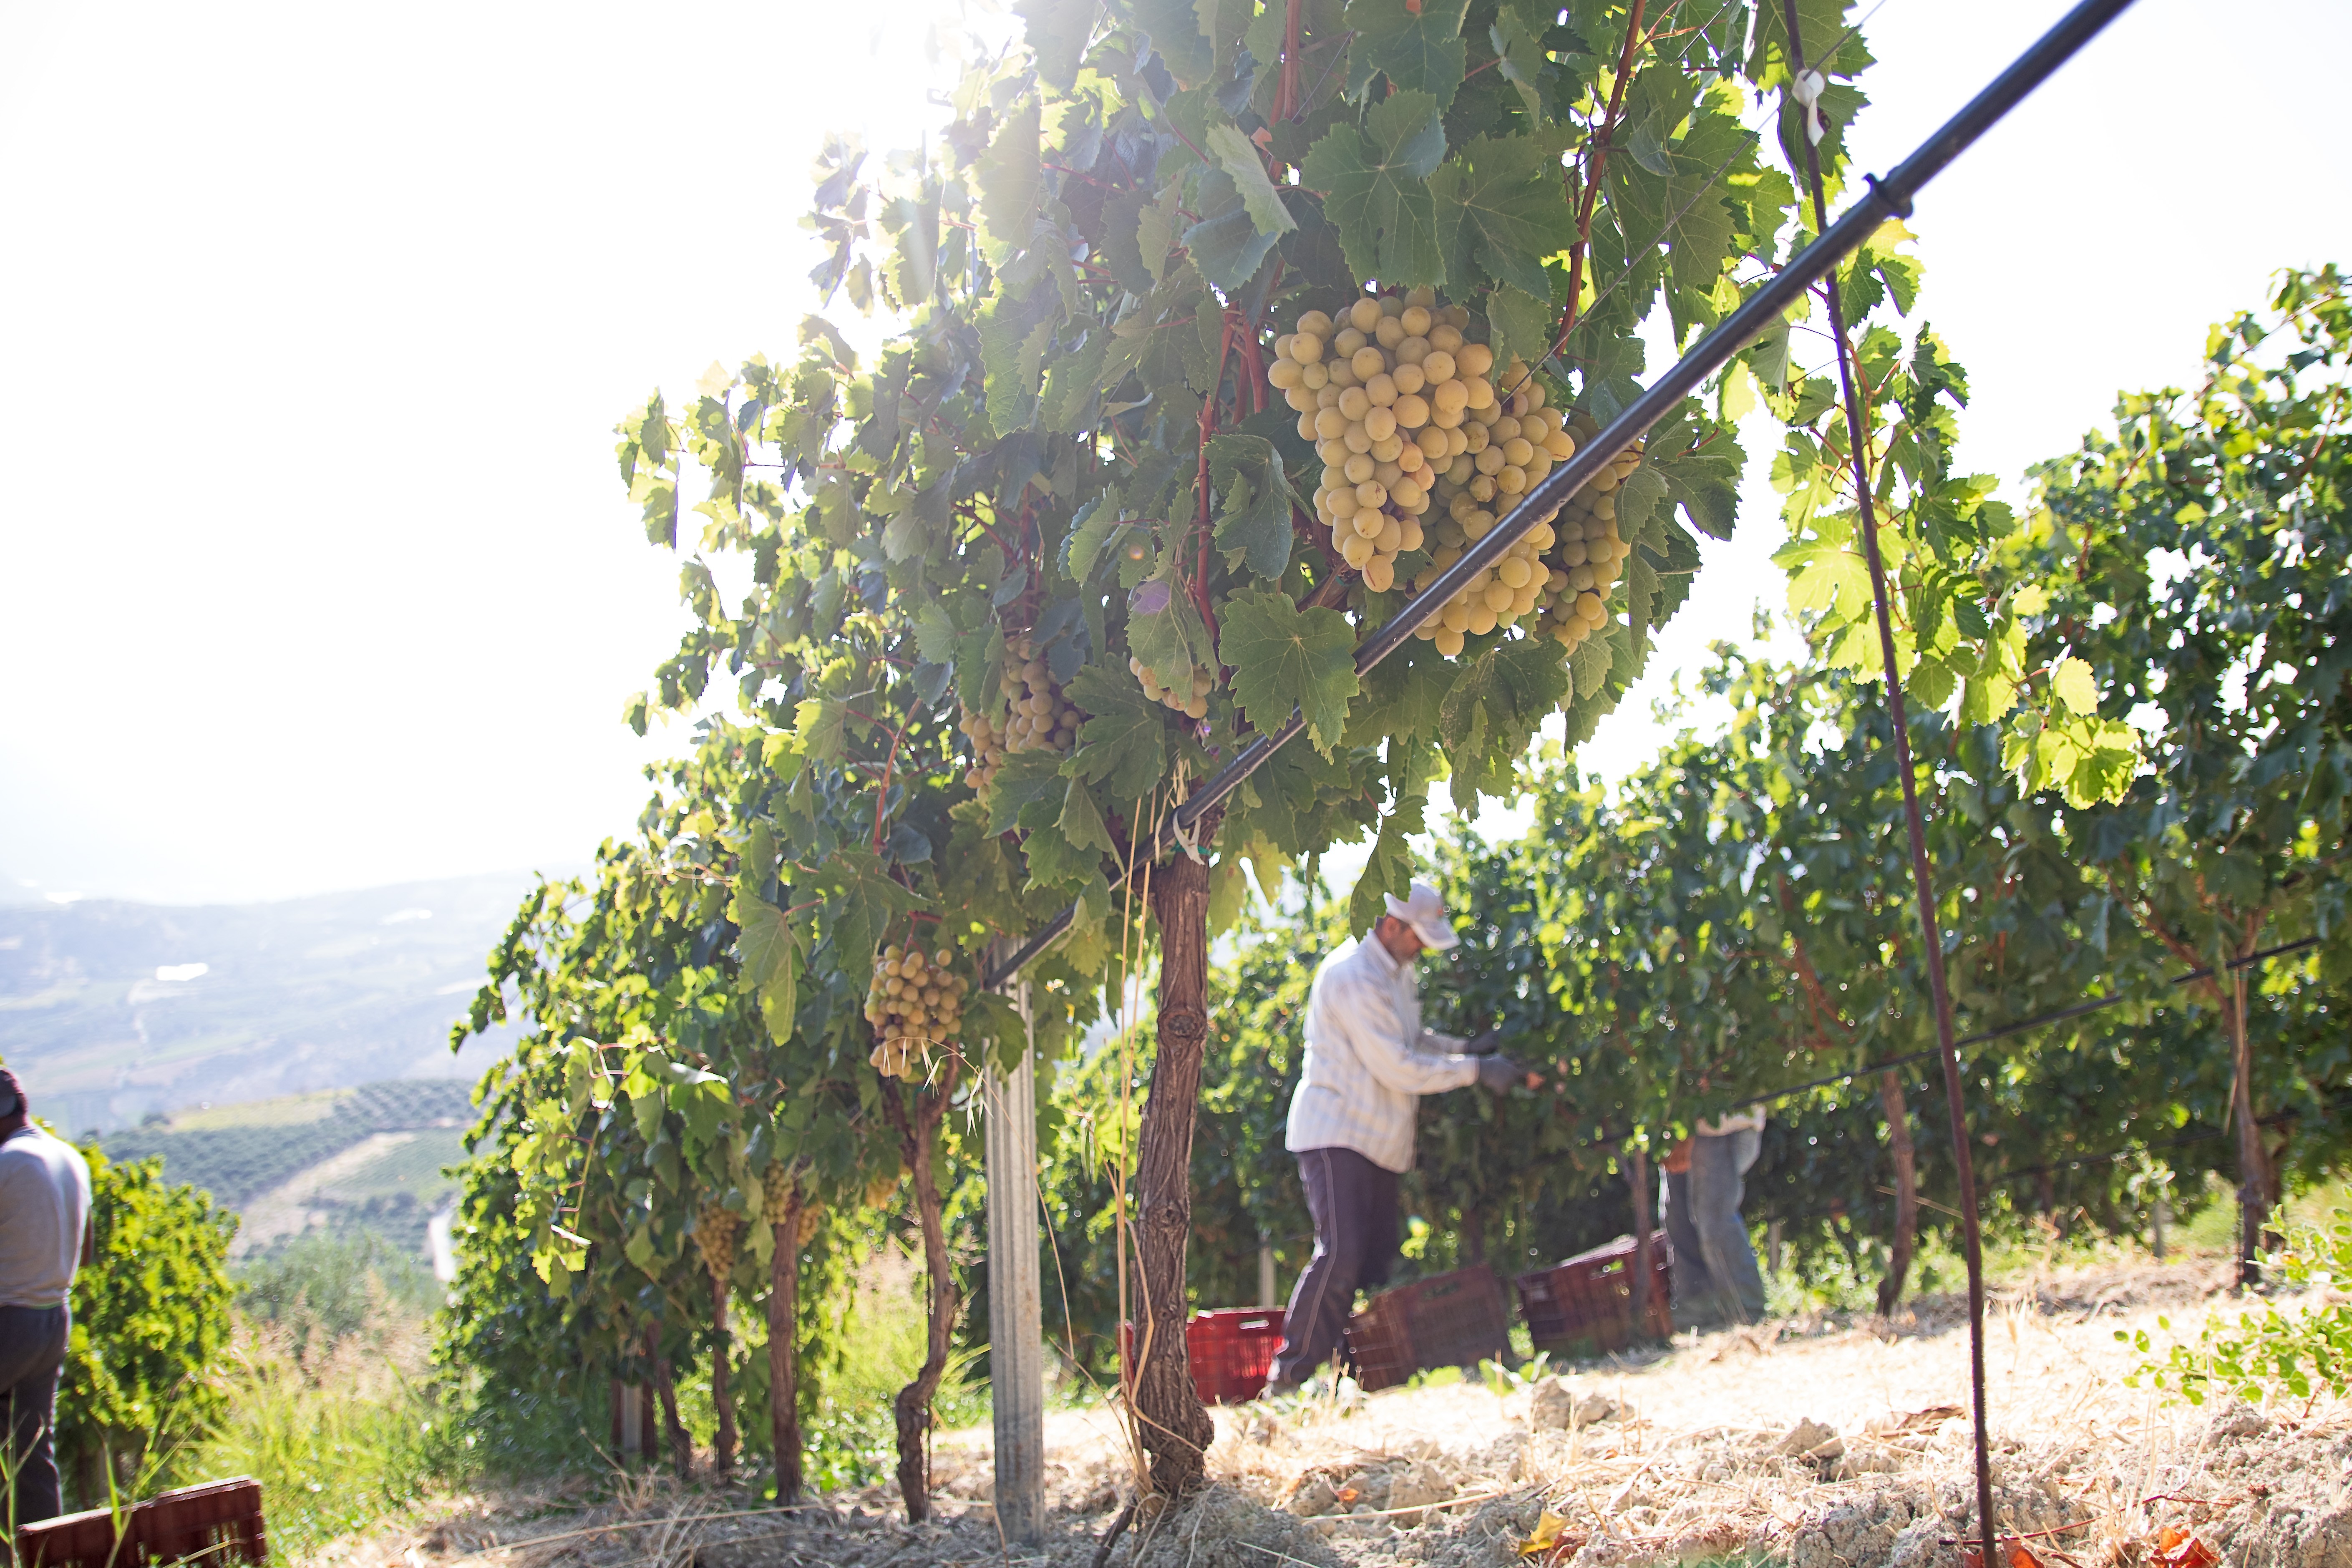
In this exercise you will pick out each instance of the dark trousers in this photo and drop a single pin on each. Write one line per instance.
(32, 1353)
(1354, 1203)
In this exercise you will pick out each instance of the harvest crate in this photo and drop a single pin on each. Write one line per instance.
(1453, 1320)
(1230, 1351)
(216, 1521)
(1584, 1307)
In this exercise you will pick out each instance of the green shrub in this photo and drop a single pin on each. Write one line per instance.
(2305, 1349)
(151, 1320)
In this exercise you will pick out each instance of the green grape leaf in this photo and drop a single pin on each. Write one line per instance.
(1081, 820)
(769, 951)
(1011, 182)
(1376, 190)
(1164, 629)
(1058, 32)
(862, 899)
(1590, 664)
(1507, 193)
(1073, 383)
(1282, 656)
(1490, 716)
(1227, 244)
(1027, 785)
(1402, 695)
(1123, 745)
(1517, 37)
(1254, 516)
(1174, 29)
(818, 728)
(1520, 325)
(1388, 870)
(1239, 158)
(2074, 685)
(1422, 53)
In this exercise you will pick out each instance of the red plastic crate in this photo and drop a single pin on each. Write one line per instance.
(214, 1521)
(1452, 1319)
(1230, 1351)
(1584, 1307)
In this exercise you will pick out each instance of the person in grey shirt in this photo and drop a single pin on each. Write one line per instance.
(45, 1233)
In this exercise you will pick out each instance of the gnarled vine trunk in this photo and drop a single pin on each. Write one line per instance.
(783, 1361)
(681, 1447)
(2254, 1163)
(1176, 1430)
(913, 1406)
(722, 1398)
(1905, 1162)
(1637, 1172)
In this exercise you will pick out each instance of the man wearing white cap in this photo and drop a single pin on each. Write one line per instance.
(1369, 1061)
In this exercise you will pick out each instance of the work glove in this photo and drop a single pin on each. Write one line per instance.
(1499, 1073)
(1485, 1043)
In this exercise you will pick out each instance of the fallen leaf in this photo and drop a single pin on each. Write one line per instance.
(1348, 1494)
(2177, 1548)
(1545, 1535)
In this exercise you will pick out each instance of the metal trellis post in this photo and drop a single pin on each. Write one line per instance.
(1016, 1343)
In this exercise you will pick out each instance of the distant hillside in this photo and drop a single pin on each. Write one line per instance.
(114, 1011)
(359, 1159)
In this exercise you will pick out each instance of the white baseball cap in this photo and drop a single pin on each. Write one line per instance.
(1424, 912)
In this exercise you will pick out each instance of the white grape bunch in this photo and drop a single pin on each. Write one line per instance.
(1186, 689)
(1385, 393)
(715, 1227)
(915, 1001)
(1589, 554)
(1039, 716)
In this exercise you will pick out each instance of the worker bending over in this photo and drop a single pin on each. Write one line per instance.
(1368, 1062)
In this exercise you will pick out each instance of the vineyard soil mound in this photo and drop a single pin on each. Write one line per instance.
(1819, 1442)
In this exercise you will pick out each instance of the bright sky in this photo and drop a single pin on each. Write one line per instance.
(316, 571)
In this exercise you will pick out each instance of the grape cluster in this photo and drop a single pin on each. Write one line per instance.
(1040, 716)
(776, 1194)
(1187, 692)
(913, 1002)
(715, 1227)
(1590, 554)
(1511, 443)
(881, 1189)
(987, 747)
(1384, 391)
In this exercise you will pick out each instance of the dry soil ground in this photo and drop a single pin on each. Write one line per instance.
(1821, 1443)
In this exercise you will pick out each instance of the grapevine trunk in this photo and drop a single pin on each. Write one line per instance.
(722, 1398)
(2254, 1182)
(1638, 1178)
(1907, 1191)
(681, 1447)
(1176, 1430)
(783, 1366)
(913, 1406)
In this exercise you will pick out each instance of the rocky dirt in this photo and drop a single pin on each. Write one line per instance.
(1819, 1443)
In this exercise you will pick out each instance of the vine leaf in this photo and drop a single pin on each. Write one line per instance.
(1011, 182)
(1058, 32)
(1123, 747)
(1242, 165)
(1026, 782)
(1282, 656)
(2071, 683)
(769, 949)
(1490, 716)
(861, 901)
(1517, 37)
(1419, 53)
(1376, 189)
(1253, 520)
(1505, 193)
(1389, 869)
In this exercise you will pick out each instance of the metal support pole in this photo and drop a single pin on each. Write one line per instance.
(1016, 1335)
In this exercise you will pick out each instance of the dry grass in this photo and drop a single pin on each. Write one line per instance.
(1702, 1464)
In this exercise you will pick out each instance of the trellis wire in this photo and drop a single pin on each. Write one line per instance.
(2078, 1010)
(1886, 198)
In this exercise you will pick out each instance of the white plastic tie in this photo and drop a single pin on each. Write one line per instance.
(1808, 91)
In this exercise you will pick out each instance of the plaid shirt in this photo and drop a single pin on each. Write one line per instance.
(1369, 1060)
